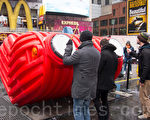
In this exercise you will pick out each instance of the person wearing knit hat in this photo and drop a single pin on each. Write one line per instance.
(143, 37)
(144, 73)
(86, 36)
(85, 63)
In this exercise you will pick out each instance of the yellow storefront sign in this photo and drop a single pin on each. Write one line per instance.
(13, 15)
(41, 14)
(42, 10)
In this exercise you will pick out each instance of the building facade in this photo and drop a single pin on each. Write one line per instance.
(95, 8)
(56, 19)
(112, 20)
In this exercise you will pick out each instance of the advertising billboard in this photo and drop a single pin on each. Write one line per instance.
(137, 16)
(79, 7)
(82, 25)
(41, 15)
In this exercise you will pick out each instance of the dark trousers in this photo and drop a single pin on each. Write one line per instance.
(101, 104)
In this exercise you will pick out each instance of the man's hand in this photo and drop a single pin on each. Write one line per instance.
(128, 51)
(69, 48)
(69, 42)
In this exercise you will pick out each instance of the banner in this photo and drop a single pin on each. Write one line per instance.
(60, 24)
(137, 16)
(41, 14)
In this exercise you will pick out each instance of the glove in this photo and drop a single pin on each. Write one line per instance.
(69, 42)
(141, 80)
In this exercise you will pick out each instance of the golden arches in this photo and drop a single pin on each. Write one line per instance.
(14, 15)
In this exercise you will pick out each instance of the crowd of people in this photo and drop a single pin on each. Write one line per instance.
(93, 74)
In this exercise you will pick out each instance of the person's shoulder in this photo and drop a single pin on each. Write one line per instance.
(106, 52)
(94, 50)
(145, 53)
(146, 50)
(132, 47)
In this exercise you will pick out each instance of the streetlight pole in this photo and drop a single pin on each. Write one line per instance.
(113, 23)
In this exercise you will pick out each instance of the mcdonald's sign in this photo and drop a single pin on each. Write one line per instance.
(13, 15)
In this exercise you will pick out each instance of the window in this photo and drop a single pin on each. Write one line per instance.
(113, 21)
(103, 32)
(92, 1)
(95, 28)
(122, 20)
(99, 2)
(114, 12)
(104, 22)
(122, 31)
(95, 24)
(106, 2)
(113, 31)
(95, 32)
(124, 10)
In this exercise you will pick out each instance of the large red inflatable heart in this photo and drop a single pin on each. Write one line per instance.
(31, 66)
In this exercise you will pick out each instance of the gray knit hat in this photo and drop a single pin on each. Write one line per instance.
(143, 37)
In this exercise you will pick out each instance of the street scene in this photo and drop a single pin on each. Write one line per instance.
(74, 60)
(124, 105)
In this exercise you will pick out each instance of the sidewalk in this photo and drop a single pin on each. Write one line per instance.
(123, 105)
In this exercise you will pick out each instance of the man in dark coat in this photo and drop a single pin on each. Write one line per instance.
(106, 73)
(85, 63)
(144, 73)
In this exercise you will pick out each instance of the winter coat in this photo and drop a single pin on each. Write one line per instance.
(126, 55)
(85, 63)
(107, 67)
(144, 62)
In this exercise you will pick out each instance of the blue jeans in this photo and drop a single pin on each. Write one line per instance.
(125, 64)
(81, 109)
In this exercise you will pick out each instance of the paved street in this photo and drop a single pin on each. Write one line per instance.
(124, 105)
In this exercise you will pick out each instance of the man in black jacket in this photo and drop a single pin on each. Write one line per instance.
(144, 73)
(106, 73)
(85, 63)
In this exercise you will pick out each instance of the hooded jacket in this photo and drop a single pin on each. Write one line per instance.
(107, 67)
(144, 62)
(85, 63)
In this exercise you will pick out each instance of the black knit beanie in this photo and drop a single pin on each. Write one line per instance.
(143, 37)
(86, 36)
